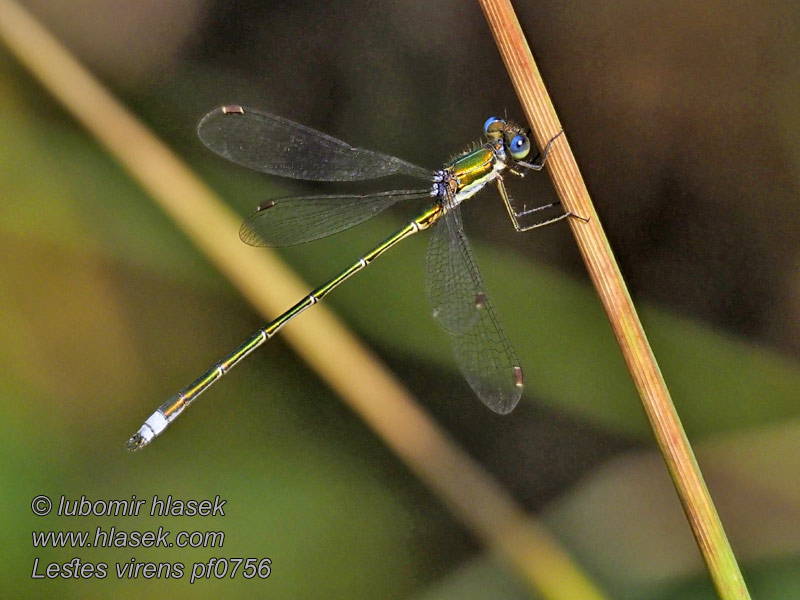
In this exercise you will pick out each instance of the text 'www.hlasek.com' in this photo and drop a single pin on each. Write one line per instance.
(212, 568)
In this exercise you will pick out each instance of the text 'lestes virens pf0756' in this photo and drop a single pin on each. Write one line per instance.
(454, 286)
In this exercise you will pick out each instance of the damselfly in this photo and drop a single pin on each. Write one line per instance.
(454, 286)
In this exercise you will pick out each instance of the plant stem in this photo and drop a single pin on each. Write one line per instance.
(607, 279)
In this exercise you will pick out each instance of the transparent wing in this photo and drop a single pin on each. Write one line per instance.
(488, 361)
(295, 220)
(452, 280)
(277, 146)
(480, 344)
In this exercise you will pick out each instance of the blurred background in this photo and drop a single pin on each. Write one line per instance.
(684, 120)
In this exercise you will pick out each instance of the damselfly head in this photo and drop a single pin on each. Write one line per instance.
(515, 140)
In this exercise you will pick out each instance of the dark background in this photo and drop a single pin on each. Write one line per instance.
(683, 119)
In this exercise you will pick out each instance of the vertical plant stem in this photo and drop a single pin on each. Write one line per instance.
(605, 275)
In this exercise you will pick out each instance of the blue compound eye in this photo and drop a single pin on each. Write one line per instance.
(493, 127)
(520, 146)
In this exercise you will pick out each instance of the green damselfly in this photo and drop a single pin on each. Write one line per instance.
(454, 286)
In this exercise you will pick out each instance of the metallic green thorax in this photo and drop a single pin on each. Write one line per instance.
(473, 170)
